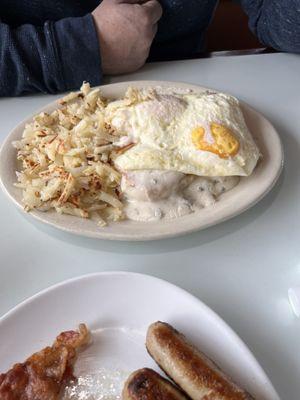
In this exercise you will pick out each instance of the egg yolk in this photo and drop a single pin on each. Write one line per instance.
(226, 145)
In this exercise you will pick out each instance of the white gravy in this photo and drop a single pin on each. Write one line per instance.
(153, 195)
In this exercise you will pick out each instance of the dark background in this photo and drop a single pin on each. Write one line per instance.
(229, 29)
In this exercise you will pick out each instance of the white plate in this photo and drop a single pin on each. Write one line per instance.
(118, 307)
(248, 192)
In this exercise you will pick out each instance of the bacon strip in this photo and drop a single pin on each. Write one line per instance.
(42, 375)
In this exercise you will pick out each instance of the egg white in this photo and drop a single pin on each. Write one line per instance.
(161, 127)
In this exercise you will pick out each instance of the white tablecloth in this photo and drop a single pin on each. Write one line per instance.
(241, 268)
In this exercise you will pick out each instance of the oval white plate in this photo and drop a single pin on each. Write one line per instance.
(248, 192)
(118, 307)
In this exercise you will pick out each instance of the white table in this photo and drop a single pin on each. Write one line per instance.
(242, 268)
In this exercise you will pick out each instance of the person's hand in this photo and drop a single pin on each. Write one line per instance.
(126, 29)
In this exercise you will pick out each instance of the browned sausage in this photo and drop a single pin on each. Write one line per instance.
(146, 384)
(190, 369)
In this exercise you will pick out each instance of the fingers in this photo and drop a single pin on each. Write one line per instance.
(155, 29)
(154, 9)
(151, 33)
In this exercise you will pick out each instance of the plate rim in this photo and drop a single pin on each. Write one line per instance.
(128, 274)
(103, 234)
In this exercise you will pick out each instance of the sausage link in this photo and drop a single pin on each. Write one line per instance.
(189, 368)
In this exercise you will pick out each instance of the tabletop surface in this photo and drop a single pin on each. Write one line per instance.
(242, 268)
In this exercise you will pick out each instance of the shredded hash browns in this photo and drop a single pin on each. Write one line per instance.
(43, 374)
(67, 160)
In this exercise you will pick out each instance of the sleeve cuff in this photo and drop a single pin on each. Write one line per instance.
(77, 52)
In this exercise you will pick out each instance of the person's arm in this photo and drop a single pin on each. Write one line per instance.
(276, 23)
(53, 58)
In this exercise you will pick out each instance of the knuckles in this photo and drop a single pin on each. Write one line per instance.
(145, 19)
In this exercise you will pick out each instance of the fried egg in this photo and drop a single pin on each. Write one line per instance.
(203, 134)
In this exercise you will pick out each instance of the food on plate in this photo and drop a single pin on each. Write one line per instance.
(189, 368)
(48, 374)
(43, 374)
(156, 153)
(153, 195)
(146, 384)
(203, 134)
(66, 160)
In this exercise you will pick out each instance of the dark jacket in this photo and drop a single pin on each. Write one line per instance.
(51, 45)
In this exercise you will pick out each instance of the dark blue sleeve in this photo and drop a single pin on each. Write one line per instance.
(276, 23)
(53, 58)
